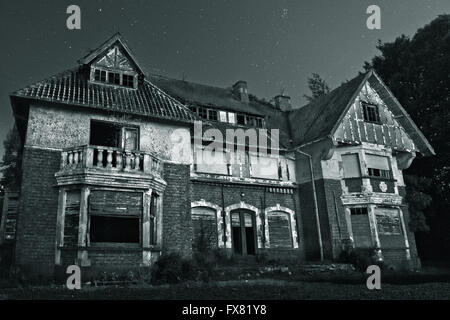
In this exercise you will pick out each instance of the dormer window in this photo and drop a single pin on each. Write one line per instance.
(128, 81)
(116, 78)
(100, 75)
(371, 113)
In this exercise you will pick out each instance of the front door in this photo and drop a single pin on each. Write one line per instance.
(243, 232)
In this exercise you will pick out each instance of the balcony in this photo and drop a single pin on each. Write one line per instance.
(108, 166)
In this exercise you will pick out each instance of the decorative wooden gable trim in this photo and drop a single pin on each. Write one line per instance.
(389, 130)
(115, 60)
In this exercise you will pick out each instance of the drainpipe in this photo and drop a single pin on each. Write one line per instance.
(316, 209)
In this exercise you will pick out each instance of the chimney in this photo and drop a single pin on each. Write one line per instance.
(283, 102)
(240, 90)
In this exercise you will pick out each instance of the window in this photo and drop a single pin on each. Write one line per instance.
(265, 167)
(114, 229)
(223, 116)
(128, 81)
(241, 118)
(115, 216)
(153, 214)
(131, 139)
(212, 115)
(378, 166)
(202, 113)
(100, 75)
(358, 211)
(109, 134)
(371, 113)
(231, 117)
(114, 78)
(350, 163)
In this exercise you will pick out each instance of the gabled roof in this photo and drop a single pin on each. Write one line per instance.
(321, 118)
(72, 87)
(317, 119)
(116, 39)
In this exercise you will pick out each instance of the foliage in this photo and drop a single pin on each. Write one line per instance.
(318, 87)
(172, 268)
(417, 72)
(11, 162)
(359, 258)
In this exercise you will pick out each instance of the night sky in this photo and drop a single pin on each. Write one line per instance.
(273, 45)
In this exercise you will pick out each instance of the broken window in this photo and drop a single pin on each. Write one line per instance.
(109, 134)
(371, 113)
(115, 217)
(114, 229)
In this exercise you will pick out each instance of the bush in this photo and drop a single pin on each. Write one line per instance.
(359, 258)
(172, 268)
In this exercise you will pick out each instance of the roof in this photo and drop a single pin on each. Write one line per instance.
(321, 118)
(317, 119)
(93, 55)
(224, 99)
(204, 95)
(72, 87)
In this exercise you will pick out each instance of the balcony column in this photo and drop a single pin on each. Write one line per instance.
(405, 235)
(146, 232)
(82, 257)
(60, 218)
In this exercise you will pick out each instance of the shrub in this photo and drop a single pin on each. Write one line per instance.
(172, 268)
(359, 258)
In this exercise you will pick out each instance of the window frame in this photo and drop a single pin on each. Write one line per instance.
(370, 111)
(123, 127)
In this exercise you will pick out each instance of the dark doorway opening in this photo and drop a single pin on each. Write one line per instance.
(243, 232)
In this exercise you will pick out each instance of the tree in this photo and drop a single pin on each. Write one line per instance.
(318, 87)
(12, 160)
(417, 71)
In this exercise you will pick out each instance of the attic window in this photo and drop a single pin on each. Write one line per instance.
(371, 113)
(128, 81)
(100, 75)
(358, 211)
(114, 78)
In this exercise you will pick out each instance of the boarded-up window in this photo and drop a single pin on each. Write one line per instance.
(212, 161)
(205, 228)
(264, 167)
(350, 163)
(71, 218)
(388, 220)
(362, 236)
(280, 233)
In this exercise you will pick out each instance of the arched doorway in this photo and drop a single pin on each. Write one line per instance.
(243, 230)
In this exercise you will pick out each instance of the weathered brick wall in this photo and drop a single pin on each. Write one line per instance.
(115, 257)
(36, 225)
(177, 223)
(253, 195)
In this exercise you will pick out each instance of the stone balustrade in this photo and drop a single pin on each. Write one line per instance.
(108, 158)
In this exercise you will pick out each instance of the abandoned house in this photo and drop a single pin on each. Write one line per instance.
(109, 177)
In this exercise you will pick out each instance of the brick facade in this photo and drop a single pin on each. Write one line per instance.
(177, 222)
(257, 196)
(36, 225)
